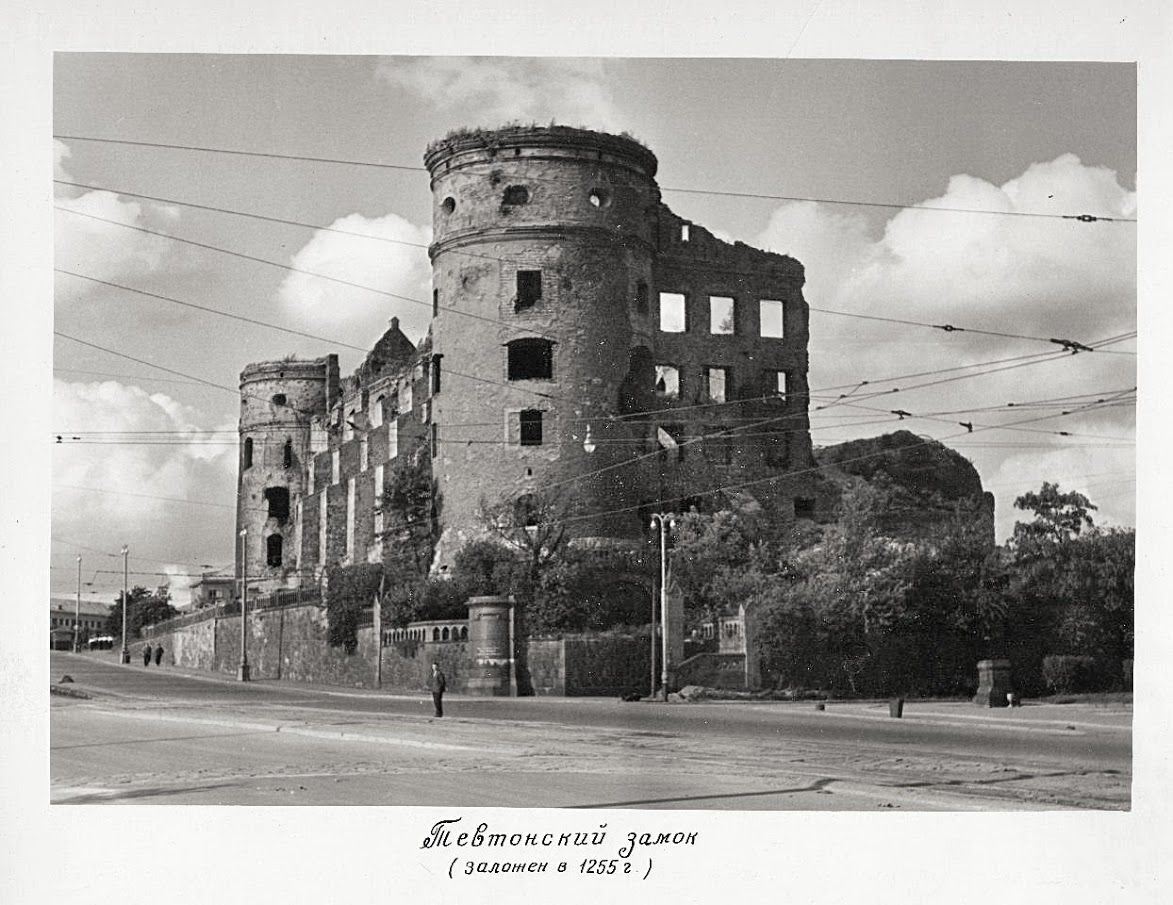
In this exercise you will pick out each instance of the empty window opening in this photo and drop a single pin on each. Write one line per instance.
(721, 315)
(672, 313)
(464, 628)
(667, 381)
(804, 507)
(685, 232)
(531, 359)
(515, 194)
(600, 198)
(777, 383)
(248, 452)
(278, 500)
(641, 297)
(377, 412)
(717, 383)
(278, 399)
(772, 319)
(444, 634)
(435, 302)
(670, 438)
(436, 374)
(435, 634)
(273, 549)
(448, 205)
(287, 455)
(529, 289)
(530, 427)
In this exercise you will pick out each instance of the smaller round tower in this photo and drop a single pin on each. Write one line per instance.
(278, 402)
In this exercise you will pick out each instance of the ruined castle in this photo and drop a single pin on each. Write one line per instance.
(586, 344)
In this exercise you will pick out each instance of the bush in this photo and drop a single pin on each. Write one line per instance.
(1067, 673)
(349, 590)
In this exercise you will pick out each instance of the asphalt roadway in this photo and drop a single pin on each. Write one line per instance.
(129, 734)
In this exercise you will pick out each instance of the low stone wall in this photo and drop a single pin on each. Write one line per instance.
(289, 643)
(713, 671)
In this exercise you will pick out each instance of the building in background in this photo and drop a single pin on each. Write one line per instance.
(63, 615)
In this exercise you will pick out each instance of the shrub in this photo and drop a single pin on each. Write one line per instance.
(1067, 673)
(349, 590)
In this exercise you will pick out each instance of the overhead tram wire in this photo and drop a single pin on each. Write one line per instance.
(312, 273)
(1068, 344)
(1084, 218)
(758, 481)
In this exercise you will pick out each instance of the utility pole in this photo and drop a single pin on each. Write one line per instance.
(125, 649)
(77, 610)
(665, 522)
(243, 673)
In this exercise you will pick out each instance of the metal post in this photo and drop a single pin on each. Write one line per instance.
(77, 611)
(664, 523)
(243, 673)
(125, 650)
(652, 692)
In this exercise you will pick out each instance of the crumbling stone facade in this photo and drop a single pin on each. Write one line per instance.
(586, 344)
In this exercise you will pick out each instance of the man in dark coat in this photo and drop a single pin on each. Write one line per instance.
(159, 655)
(437, 684)
(147, 655)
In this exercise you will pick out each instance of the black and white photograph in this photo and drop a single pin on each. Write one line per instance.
(592, 463)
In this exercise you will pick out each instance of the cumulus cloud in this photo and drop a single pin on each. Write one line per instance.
(1018, 275)
(355, 250)
(490, 91)
(133, 492)
(85, 241)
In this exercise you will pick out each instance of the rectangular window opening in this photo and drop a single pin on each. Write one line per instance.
(278, 500)
(530, 422)
(721, 316)
(530, 359)
(673, 315)
(772, 318)
(804, 507)
(529, 289)
(685, 232)
(717, 384)
(667, 381)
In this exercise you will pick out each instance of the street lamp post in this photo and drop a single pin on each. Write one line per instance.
(125, 649)
(664, 521)
(243, 673)
(77, 610)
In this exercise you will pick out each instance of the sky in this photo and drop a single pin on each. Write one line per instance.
(816, 113)
(846, 165)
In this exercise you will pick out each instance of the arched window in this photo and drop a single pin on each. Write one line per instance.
(435, 634)
(248, 452)
(273, 549)
(464, 633)
(444, 634)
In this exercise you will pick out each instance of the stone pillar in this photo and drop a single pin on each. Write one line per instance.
(993, 683)
(490, 646)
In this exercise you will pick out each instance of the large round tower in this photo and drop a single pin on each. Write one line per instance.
(542, 260)
(278, 400)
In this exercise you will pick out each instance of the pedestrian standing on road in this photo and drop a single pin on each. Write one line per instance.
(147, 655)
(437, 684)
(159, 655)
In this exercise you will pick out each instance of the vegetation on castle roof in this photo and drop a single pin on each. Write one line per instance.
(516, 126)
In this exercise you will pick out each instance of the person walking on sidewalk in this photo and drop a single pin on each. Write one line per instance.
(147, 655)
(159, 655)
(437, 685)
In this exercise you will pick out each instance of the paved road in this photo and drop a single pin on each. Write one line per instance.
(159, 734)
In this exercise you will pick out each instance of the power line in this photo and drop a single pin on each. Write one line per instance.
(1067, 344)
(1084, 217)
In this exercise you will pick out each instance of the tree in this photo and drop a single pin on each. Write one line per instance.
(144, 607)
(532, 523)
(410, 505)
(1058, 517)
